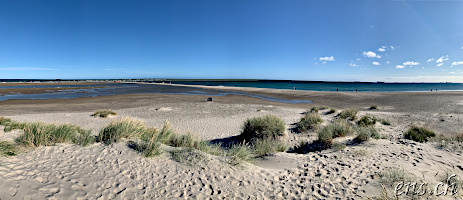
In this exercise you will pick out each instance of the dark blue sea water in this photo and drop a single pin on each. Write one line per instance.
(334, 86)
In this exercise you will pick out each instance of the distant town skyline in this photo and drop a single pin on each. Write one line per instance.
(370, 40)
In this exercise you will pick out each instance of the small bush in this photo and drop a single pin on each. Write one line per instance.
(392, 176)
(314, 109)
(124, 128)
(365, 133)
(367, 121)
(348, 114)
(4, 121)
(261, 128)
(418, 134)
(325, 136)
(309, 121)
(331, 111)
(103, 113)
(150, 144)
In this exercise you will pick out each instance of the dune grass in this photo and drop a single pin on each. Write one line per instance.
(261, 128)
(7, 149)
(340, 128)
(331, 111)
(124, 128)
(104, 113)
(268, 146)
(364, 133)
(349, 114)
(367, 120)
(418, 134)
(310, 121)
(239, 153)
(42, 134)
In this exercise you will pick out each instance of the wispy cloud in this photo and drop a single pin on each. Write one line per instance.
(376, 63)
(440, 64)
(442, 59)
(388, 62)
(399, 66)
(353, 65)
(23, 68)
(457, 63)
(429, 60)
(411, 63)
(382, 49)
(393, 48)
(371, 54)
(331, 58)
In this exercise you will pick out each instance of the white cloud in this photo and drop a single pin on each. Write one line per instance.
(429, 60)
(461, 47)
(23, 68)
(331, 58)
(399, 66)
(324, 62)
(457, 63)
(382, 49)
(376, 63)
(411, 63)
(442, 59)
(440, 64)
(393, 48)
(358, 59)
(353, 65)
(371, 54)
(388, 62)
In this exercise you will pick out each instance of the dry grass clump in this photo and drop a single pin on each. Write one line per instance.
(349, 114)
(308, 122)
(367, 120)
(239, 153)
(452, 143)
(104, 113)
(418, 134)
(260, 128)
(391, 176)
(124, 128)
(268, 146)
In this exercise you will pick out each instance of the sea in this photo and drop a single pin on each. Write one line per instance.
(112, 87)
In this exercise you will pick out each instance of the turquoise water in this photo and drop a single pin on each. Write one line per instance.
(334, 86)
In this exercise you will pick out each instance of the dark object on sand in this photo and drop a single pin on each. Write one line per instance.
(209, 98)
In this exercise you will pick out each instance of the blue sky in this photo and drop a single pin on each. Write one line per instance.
(326, 40)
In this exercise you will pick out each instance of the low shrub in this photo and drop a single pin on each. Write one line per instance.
(365, 133)
(124, 128)
(339, 128)
(150, 144)
(261, 128)
(314, 109)
(418, 134)
(309, 121)
(85, 138)
(240, 152)
(349, 114)
(103, 113)
(367, 121)
(384, 122)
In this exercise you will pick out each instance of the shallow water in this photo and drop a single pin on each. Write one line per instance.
(129, 88)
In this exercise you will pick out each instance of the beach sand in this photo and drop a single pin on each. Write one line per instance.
(68, 171)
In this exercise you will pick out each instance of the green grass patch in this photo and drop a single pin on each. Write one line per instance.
(349, 114)
(268, 147)
(339, 128)
(239, 153)
(261, 128)
(310, 121)
(7, 149)
(384, 122)
(41, 134)
(104, 113)
(367, 121)
(418, 134)
(365, 133)
(124, 128)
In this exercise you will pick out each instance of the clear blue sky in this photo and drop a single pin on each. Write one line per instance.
(384, 40)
